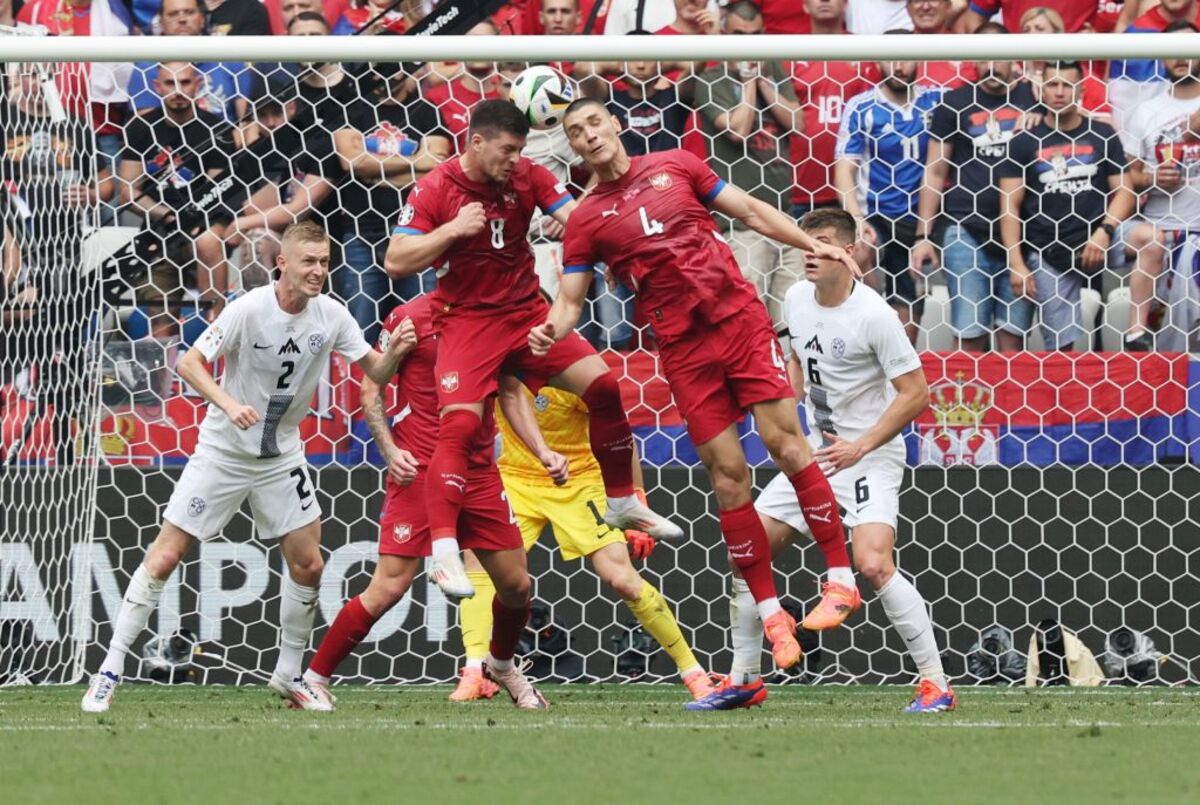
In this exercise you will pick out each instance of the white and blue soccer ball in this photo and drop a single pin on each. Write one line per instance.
(542, 94)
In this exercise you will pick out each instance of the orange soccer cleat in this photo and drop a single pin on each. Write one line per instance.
(473, 685)
(838, 601)
(699, 684)
(781, 631)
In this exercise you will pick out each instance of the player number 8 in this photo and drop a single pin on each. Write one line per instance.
(497, 225)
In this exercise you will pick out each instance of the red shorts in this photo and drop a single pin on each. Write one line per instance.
(723, 369)
(485, 523)
(475, 348)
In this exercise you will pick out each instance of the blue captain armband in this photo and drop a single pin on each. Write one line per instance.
(576, 269)
(716, 191)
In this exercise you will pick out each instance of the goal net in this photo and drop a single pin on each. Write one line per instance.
(1052, 478)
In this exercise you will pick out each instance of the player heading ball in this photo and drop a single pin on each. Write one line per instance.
(649, 220)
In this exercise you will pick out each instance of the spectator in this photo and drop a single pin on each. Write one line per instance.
(648, 106)
(237, 18)
(937, 17)
(628, 16)
(282, 12)
(969, 137)
(1076, 14)
(167, 151)
(749, 112)
(391, 139)
(454, 89)
(1064, 190)
(590, 18)
(226, 86)
(1094, 93)
(884, 133)
(559, 17)
(384, 15)
(822, 89)
(1136, 81)
(1163, 142)
(877, 16)
(51, 180)
(692, 17)
(1115, 16)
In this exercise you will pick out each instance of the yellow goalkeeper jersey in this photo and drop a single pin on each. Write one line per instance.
(563, 419)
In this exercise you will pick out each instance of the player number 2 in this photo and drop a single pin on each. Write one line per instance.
(302, 490)
(649, 225)
(497, 225)
(285, 378)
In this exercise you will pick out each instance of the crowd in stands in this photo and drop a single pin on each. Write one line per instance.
(995, 198)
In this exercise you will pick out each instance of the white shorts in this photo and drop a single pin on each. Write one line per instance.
(211, 490)
(868, 492)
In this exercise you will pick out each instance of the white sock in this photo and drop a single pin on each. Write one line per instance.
(906, 609)
(297, 611)
(499, 665)
(444, 546)
(478, 664)
(685, 673)
(768, 607)
(841, 575)
(622, 503)
(312, 676)
(141, 598)
(746, 635)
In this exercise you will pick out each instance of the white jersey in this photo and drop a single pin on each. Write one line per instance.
(1157, 133)
(877, 16)
(273, 362)
(849, 355)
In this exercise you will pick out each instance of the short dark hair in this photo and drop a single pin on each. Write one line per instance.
(1064, 65)
(991, 27)
(492, 117)
(747, 10)
(579, 103)
(835, 218)
(308, 16)
(1181, 25)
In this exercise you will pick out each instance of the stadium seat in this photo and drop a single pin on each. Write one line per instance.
(935, 333)
(1116, 318)
(1091, 309)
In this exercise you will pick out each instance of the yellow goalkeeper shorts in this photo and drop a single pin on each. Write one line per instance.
(576, 514)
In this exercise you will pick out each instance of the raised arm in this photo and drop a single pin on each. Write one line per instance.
(411, 253)
(381, 366)
(566, 310)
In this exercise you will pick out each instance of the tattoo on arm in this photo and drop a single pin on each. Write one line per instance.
(377, 423)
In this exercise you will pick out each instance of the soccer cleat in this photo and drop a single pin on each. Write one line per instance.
(929, 698)
(780, 629)
(729, 696)
(524, 695)
(699, 684)
(300, 694)
(838, 602)
(100, 693)
(450, 575)
(637, 516)
(473, 685)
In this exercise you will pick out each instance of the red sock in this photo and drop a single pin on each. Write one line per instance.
(347, 631)
(446, 484)
(610, 436)
(821, 513)
(507, 625)
(750, 550)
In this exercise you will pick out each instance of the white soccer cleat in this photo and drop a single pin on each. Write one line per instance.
(300, 694)
(524, 695)
(450, 575)
(100, 693)
(632, 514)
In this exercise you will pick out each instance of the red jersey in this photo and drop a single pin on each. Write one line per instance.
(1107, 14)
(454, 101)
(494, 269)
(946, 74)
(1075, 13)
(785, 17)
(822, 89)
(415, 418)
(653, 229)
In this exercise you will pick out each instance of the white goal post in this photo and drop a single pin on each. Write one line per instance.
(1042, 486)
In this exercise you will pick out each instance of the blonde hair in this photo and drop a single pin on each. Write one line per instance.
(1053, 17)
(306, 231)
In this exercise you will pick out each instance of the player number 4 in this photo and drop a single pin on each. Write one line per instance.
(649, 225)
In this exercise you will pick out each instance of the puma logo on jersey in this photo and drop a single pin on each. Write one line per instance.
(607, 213)
(814, 345)
(289, 348)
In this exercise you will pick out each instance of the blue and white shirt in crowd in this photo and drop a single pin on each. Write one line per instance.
(890, 142)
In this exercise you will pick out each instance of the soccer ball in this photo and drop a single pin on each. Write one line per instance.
(542, 93)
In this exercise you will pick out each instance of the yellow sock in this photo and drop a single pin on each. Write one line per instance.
(652, 611)
(476, 616)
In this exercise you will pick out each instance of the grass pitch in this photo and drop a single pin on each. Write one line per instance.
(608, 744)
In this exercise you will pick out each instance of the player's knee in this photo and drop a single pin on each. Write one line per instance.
(161, 560)
(875, 567)
(603, 393)
(623, 580)
(731, 485)
(306, 569)
(790, 452)
(384, 593)
(514, 592)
